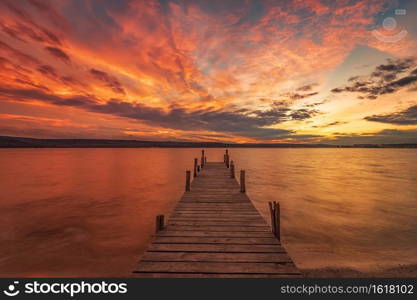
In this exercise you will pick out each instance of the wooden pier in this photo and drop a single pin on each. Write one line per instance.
(215, 231)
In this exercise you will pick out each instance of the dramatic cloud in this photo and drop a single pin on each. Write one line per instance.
(20, 56)
(110, 81)
(175, 69)
(177, 118)
(298, 96)
(405, 117)
(306, 88)
(47, 71)
(58, 53)
(386, 136)
(384, 80)
(330, 124)
(25, 26)
(303, 114)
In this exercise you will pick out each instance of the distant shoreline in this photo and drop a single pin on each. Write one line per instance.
(22, 142)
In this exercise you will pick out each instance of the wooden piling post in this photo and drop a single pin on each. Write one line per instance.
(242, 181)
(195, 166)
(275, 212)
(202, 158)
(198, 169)
(232, 169)
(161, 222)
(226, 156)
(277, 216)
(159, 225)
(187, 180)
(272, 216)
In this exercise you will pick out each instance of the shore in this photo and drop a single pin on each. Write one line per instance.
(24, 142)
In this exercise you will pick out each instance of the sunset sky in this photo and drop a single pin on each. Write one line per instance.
(233, 71)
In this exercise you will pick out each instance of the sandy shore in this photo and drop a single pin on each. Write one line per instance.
(402, 271)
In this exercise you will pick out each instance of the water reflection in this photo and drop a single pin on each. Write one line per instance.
(90, 212)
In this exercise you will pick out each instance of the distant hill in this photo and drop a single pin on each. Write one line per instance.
(21, 142)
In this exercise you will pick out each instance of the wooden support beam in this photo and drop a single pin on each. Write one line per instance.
(272, 216)
(277, 216)
(195, 166)
(275, 212)
(159, 225)
(242, 181)
(187, 180)
(226, 156)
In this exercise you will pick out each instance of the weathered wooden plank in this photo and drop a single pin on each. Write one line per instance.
(208, 211)
(214, 218)
(216, 257)
(205, 214)
(210, 200)
(216, 207)
(218, 228)
(215, 240)
(244, 203)
(218, 219)
(215, 233)
(215, 248)
(217, 223)
(199, 194)
(209, 208)
(207, 275)
(212, 215)
(214, 195)
(218, 268)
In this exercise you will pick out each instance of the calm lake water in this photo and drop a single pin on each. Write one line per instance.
(91, 212)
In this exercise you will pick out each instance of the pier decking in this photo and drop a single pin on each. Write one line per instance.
(215, 231)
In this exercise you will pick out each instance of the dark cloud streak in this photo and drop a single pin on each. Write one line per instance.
(306, 88)
(58, 53)
(47, 71)
(20, 56)
(383, 80)
(109, 80)
(177, 118)
(386, 136)
(405, 117)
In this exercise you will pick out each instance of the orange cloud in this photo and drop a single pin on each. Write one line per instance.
(205, 65)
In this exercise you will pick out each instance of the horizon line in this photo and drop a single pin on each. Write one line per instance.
(25, 142)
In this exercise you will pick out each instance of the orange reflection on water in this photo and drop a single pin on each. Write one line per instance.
(90, 212)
